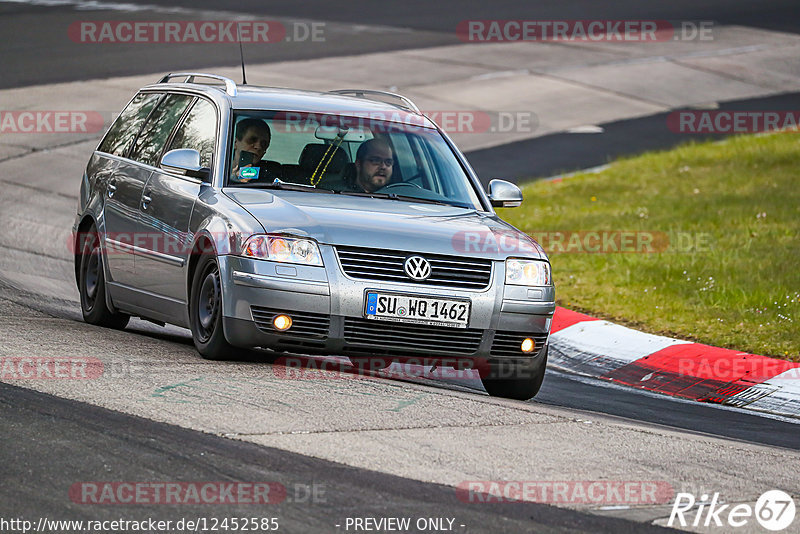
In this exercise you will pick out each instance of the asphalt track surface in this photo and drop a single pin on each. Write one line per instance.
(582, 394)
(49, 442)
(36, 49)
(444, 16)
(58, 441)
(554, 154)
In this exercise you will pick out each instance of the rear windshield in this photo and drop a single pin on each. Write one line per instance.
(357, 155)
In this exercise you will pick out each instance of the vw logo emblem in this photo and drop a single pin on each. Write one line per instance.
(417, 268)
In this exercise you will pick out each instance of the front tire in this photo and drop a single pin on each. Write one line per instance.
(520, 382)
(205, 312)
(92, 285)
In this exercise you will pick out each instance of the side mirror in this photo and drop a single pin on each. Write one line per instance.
(504, 194)
(185, 161)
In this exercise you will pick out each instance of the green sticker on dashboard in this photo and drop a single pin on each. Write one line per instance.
(248, 172)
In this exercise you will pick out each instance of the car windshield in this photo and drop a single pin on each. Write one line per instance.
(365, 156)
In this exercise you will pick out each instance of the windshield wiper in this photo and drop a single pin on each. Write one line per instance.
(402, 198)
(277, 183)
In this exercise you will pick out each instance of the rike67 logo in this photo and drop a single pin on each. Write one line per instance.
(774, 510)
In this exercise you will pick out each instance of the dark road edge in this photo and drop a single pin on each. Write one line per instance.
(564, 152)
(41, 424)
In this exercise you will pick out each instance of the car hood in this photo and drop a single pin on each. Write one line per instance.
(388, 224)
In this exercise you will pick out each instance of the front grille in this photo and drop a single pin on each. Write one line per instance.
(397, 339)
(387, 265)
(508, 344)
(311, 327)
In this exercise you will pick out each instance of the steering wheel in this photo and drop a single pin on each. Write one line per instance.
(399, 184)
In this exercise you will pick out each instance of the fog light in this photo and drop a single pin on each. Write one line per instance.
(527, 345)
(282, 322)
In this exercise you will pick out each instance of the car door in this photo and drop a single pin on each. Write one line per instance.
(123, 182)
(167, 205)
(145, 153)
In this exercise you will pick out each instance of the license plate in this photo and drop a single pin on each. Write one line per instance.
(417, 309)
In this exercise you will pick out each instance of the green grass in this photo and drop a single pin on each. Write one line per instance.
(730, 273)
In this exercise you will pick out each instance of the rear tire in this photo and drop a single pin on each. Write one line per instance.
(205, 312)
(525, 386)
(92, 285)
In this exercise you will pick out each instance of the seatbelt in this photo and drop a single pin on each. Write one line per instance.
(326, 159)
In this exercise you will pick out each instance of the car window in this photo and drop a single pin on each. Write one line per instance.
(286, 146)
(423, 164)
(321, 151)
(148, 146)
(198, 131)
(124, 130)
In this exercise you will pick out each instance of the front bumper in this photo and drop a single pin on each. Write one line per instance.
(327, 309)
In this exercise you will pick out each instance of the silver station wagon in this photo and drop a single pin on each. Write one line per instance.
(339, 223)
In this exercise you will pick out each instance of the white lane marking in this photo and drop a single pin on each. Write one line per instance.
(590, 170)
(586, 129)
(595, 381)
(500, 74)
(596, 348)
(783, 399)
(109, 6)
(609, 340)
(789, 380)
(729, 51)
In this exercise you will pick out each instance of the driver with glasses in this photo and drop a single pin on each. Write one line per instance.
(374, 164)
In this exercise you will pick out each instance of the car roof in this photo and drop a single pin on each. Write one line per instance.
(253, 97)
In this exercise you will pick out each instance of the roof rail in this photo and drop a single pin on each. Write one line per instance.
(406, 103)
(230, 85)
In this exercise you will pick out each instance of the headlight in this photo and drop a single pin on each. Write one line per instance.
(283, 249)
(528, 272)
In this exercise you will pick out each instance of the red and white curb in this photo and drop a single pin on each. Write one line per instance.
(589, 346)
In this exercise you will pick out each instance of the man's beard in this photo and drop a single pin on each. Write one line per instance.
(379, 180)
